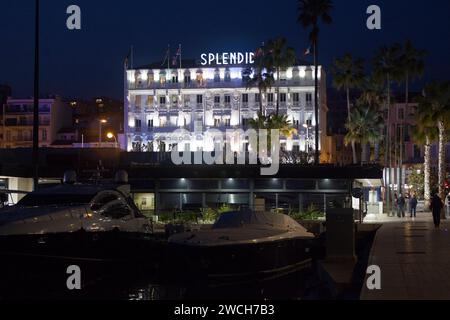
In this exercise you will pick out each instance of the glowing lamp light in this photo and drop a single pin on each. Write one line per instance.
(302, 73)
(110, 135)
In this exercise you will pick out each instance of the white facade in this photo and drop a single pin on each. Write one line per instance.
(197, 99)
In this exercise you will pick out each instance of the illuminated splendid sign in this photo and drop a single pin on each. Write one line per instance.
(227, 58)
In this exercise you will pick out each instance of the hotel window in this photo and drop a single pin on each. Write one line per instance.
(245, 122)
(217, 122)
(199, 77)
(282, 97)
(137, 100)
(296, 97)
(162, 78)
(227, 75)
(174, 78)
(216, 75)
(187, 78)
(150, 123)
(309, 97)
(245, 98)
(174, 99)
(216, 99)
(162, 122)
(162, 100)
(150, 100)
(227, 122)
(270, 97)
(227, 99)
(257, 97)
(199, 99)
(137, 123)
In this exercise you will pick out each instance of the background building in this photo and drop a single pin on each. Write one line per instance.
(159, 101)
(17, 127)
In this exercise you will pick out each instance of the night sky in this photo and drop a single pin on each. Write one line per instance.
(89, 62)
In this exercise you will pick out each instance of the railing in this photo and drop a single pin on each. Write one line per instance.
(210, 84)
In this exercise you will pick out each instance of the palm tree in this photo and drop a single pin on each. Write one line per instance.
(411, 67)
(373, 96)
(281, 57)
(386, 65)
(425, 133)
(311, 13)
(435, 109)
(348, 74)
(260, 75)
(363, 128)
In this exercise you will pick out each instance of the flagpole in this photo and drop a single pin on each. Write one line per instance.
(35, 155)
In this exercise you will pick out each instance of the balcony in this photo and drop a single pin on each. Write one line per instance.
(210, 84)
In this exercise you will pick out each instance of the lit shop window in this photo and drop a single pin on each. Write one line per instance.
(138, 100)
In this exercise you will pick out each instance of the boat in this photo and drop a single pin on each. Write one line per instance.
(77, 221)
(241, 247)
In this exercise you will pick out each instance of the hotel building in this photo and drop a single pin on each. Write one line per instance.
(200, 96)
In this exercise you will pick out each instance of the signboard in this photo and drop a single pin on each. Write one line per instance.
(227, 58)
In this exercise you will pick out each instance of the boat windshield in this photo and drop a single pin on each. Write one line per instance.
(34, 200)
(253, 219)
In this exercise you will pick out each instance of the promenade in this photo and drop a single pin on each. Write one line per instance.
(414, 259)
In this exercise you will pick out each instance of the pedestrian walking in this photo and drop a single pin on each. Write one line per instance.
(413, 206)
(447, 203)
(401, 202)
(436, 207)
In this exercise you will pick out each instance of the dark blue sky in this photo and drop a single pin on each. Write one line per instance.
(89, 62)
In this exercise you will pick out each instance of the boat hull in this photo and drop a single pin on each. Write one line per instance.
(240, 263)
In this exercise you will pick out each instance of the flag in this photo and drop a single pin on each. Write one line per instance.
(307, 51)
(177, 55)
(166, 57)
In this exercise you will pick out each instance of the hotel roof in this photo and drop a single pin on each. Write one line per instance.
(195, 63)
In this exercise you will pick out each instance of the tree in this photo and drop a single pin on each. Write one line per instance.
(280, 57)
(348, 74)
(386, 69)
(260, 75)
(425, 133)
(411, 67)
(435, 109)
(363, 128)
(311, 13)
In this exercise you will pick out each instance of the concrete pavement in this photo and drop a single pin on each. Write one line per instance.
(414, 259)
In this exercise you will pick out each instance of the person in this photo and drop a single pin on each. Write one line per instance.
(395, 204)
(447, 202)
(413, 206)
(436, 207)
(401, 206)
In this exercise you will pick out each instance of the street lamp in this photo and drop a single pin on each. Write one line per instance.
(100, 123)
(110, 136)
